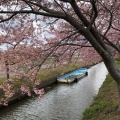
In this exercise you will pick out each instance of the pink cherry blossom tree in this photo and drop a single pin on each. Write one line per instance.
(76, 24)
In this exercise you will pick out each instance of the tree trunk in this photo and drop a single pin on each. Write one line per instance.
(114, 72)
(7, 70)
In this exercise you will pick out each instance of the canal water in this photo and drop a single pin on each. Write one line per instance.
(61, 101)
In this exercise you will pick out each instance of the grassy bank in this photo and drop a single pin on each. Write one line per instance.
(48, 73)
(53, 72)
(105, 105)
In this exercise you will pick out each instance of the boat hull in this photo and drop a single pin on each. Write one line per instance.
(73, 76)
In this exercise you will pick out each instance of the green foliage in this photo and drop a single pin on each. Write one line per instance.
(118, 62)
(94, 110)
(1, 80)
(105, 104)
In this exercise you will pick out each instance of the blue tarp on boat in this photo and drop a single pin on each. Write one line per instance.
(72, 76)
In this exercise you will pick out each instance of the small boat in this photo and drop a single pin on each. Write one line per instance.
(73, 76)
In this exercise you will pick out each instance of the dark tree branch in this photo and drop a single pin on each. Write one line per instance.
(94, 10)
(116, 28)
(111, 44)
(79, 13)
(68, 1)
(73, 44)
(50, 11)
(28, 4)
(109, 26)
(7, 19)
(55, 15)
(60, 7)
(93, 31)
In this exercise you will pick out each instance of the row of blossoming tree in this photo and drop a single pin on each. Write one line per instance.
(86, 29)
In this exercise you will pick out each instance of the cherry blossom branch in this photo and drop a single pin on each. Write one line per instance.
(109, 26)
(94, 32)
(28, 4)
(7, 19)
(115, 28)
(14, 45)
(54, 14)
(94, 8)
(68, 1)
(79, 13)
(45, 8)
(111, 44)
(73, 44)
(68, 37)
(60, 7)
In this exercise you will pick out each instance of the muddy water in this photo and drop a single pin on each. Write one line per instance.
(61, 101)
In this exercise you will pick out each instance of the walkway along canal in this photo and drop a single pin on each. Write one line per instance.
(61, 101)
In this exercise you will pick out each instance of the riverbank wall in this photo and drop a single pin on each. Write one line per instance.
(18, 96)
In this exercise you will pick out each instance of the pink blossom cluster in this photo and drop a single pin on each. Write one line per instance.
(8, 91)
(39, 92)
(25, 90)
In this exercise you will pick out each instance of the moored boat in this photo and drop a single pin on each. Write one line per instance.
(73, 76)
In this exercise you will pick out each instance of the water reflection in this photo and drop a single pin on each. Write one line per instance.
(62, 102)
